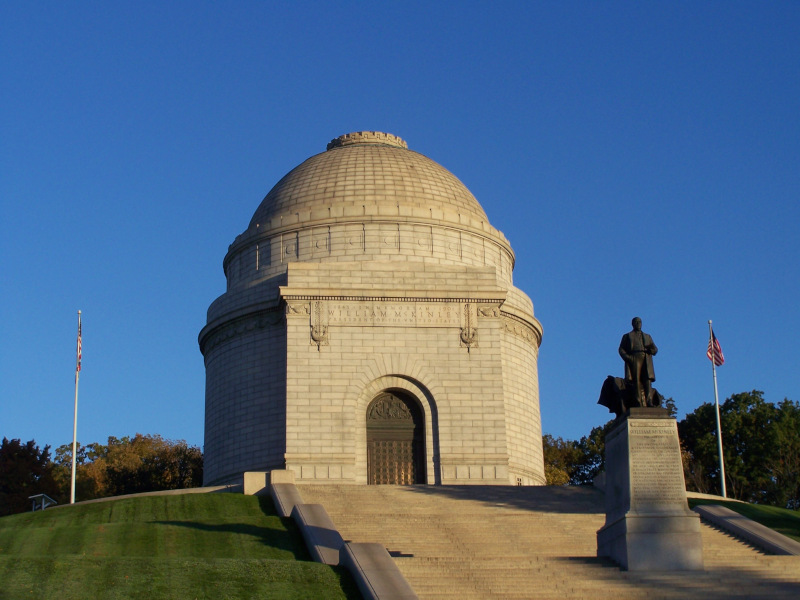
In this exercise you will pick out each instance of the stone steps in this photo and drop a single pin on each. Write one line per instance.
(482, 542)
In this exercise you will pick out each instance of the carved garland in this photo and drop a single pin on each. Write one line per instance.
(319, 330)
(240, 326)
(469, 333)
(489, 311)
(521, 329)
(294, 309)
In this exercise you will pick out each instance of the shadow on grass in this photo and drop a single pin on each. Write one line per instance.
(346, 580)
(266, 505)
(286, 538)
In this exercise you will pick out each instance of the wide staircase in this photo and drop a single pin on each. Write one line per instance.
(478, 542)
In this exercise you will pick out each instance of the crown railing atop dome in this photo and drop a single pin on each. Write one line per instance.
(367, 137)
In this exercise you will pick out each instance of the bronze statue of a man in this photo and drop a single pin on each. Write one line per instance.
(637, 350)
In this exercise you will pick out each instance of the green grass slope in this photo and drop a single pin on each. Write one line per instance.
(163, 547)
(782, 520)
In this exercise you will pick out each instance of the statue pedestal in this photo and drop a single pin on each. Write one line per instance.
(649, 526)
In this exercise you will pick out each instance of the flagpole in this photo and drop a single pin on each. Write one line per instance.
(719, 426)
(75, 419)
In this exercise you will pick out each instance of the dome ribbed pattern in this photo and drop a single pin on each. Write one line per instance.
(368, 168)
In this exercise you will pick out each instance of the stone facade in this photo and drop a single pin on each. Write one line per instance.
(368, 269)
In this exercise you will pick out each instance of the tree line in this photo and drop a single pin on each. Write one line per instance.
(128, 465)
(761, 447)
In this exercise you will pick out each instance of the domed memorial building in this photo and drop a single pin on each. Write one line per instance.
(371, 333)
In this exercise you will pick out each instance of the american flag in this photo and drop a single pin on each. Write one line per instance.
(78, 366)
(714, 352)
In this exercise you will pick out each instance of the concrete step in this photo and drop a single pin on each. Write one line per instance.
(463, 542)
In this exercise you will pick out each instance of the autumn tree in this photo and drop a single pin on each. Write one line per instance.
(560, 458)
(129, 465)
(89, 479)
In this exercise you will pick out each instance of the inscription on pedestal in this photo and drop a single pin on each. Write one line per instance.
(656, 471)
(649, 526)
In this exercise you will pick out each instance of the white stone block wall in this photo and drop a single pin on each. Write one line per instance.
(522, 335)
(480, 400)
(245, 399)
(523, 423)
(292, 390)
(327, 401)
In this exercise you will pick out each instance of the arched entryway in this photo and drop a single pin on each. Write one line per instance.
(395, 439)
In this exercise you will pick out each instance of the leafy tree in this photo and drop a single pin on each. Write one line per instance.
(761, 444)
(697, 432)
(148, 463)
(592, 449)
(671, 407)
(25, 470)
(143, 463)
(786, 460)
(89, 477)
(748, 437)
(560, 458)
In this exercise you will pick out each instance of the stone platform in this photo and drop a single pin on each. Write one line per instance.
(648, 522)
(527, 543)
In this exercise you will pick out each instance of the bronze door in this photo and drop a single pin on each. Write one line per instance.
(395, 440)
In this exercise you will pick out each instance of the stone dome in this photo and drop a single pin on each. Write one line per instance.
(366, 198)
(368, 169)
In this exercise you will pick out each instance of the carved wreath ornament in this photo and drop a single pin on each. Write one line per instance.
(468, 335)
(389, 408)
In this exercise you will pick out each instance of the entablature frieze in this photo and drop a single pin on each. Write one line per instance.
(393, 311)
(466, 314)
(522, 329)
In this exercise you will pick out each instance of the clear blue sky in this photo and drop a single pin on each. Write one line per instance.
(642, 158)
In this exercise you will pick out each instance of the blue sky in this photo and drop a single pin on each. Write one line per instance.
(643, 159)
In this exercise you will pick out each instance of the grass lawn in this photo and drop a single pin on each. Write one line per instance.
(181, 546)
(782, 520)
